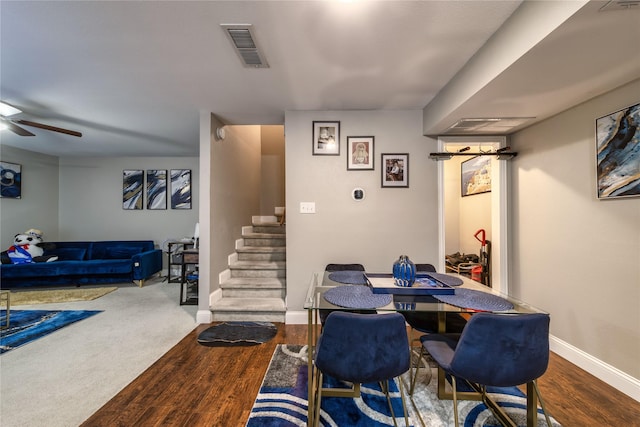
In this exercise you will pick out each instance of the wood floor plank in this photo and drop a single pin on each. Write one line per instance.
(193, 385)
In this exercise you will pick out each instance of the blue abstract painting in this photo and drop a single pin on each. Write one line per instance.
(618, 145)
(157, 189)
(10, 180)
(132, 185)
(180, 189)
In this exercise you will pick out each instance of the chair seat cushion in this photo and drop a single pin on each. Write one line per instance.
(441, 347)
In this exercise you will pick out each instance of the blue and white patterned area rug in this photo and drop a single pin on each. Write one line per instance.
(26, 326)
(282, 400)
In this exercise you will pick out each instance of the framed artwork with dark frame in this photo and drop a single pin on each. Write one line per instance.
(475, 176)
(326, 138)
(617, 156)
(360, 153)
(132, 188)
(180, 188)
(157, 189)
(394, 170)
(10, 180)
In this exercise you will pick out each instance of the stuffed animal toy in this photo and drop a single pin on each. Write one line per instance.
(28, 247)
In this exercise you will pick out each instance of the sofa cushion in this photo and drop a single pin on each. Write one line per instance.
(95, 267)
(121, 252)
(68, 254)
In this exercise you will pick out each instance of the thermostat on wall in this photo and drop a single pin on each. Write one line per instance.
(357, 194)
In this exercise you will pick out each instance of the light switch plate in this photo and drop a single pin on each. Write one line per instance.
(307, 207)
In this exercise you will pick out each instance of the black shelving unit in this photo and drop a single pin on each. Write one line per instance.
(174, 259)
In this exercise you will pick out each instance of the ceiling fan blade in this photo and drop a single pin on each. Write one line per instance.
(17, 129)
(47, 127)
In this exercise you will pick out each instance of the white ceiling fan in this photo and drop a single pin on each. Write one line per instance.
(6, 111)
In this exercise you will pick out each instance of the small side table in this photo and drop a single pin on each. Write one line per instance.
(5, 296)
(189, 277)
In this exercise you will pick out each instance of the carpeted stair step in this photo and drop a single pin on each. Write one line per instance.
(264, 239)
(267, 228)
(249, 309)
(262, 253)
(254, 287)
(258, 269)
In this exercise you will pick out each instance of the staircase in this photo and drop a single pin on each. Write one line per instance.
(254, 286)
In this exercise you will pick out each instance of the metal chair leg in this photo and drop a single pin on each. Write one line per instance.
(455, 400)
(404, 404)
(412, 386)
(544, 410)
(316, 414)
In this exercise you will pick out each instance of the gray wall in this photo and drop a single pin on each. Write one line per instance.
(235, 191)
(574, 255)
(387, 223)
(272, 180)
(38, 207)
(91, 201)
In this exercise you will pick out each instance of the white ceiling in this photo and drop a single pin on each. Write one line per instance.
(133, 76)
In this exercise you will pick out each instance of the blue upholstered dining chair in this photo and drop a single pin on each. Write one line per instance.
(501, 350)
(361, 348)
(427, 323)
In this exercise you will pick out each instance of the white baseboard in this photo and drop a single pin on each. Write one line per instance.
(605, 372)
(296, 317)
(204, 316)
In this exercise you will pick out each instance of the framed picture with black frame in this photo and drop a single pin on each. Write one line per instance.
(180, 188)
(475, 176)
(394, 170)
(157, 189)
(617, 154)
(360, 153)
(10, 180)
(326, 138)
(132, 189)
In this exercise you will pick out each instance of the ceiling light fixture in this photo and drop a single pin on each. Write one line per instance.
(8, 110)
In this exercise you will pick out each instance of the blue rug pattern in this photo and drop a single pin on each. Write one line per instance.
(282, 400)
(29, 325)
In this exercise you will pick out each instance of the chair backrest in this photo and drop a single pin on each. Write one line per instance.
(363, 348)
(344, 267)
(425, 268)
(503, 349)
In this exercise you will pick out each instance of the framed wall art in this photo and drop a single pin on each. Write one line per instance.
(132, 188)
(157, 189)
(10, 180)
(475, 175)
(326, 138)
(617, 155)
(395, 170)
(360, 153)
(180, 188)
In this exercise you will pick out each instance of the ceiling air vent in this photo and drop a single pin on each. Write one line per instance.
(620, 5)
(486, 126)
(244, 43)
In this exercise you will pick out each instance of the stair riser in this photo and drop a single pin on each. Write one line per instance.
(258, 273)
(261, 241)
(247, 256)
(253, 293)
(269, 230)
(248, 316)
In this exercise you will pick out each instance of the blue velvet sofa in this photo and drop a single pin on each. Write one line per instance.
(81, 263)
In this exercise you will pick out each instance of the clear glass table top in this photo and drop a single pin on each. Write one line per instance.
(321, 283)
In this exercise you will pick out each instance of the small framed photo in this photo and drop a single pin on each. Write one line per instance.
(326, 138)
(132, 189)
(395, 170)
(360, 153)
(11, 180)
(157, 189)
(617, 154)
(475, 175)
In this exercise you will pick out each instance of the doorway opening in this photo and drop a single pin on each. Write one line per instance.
(462, 214)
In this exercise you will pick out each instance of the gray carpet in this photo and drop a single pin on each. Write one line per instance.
(62, 379)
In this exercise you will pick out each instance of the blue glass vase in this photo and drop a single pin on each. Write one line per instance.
(404, 271)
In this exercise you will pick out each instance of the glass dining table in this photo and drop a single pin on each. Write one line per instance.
(462, 295)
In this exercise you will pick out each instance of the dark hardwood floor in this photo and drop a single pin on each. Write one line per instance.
(193, 385)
